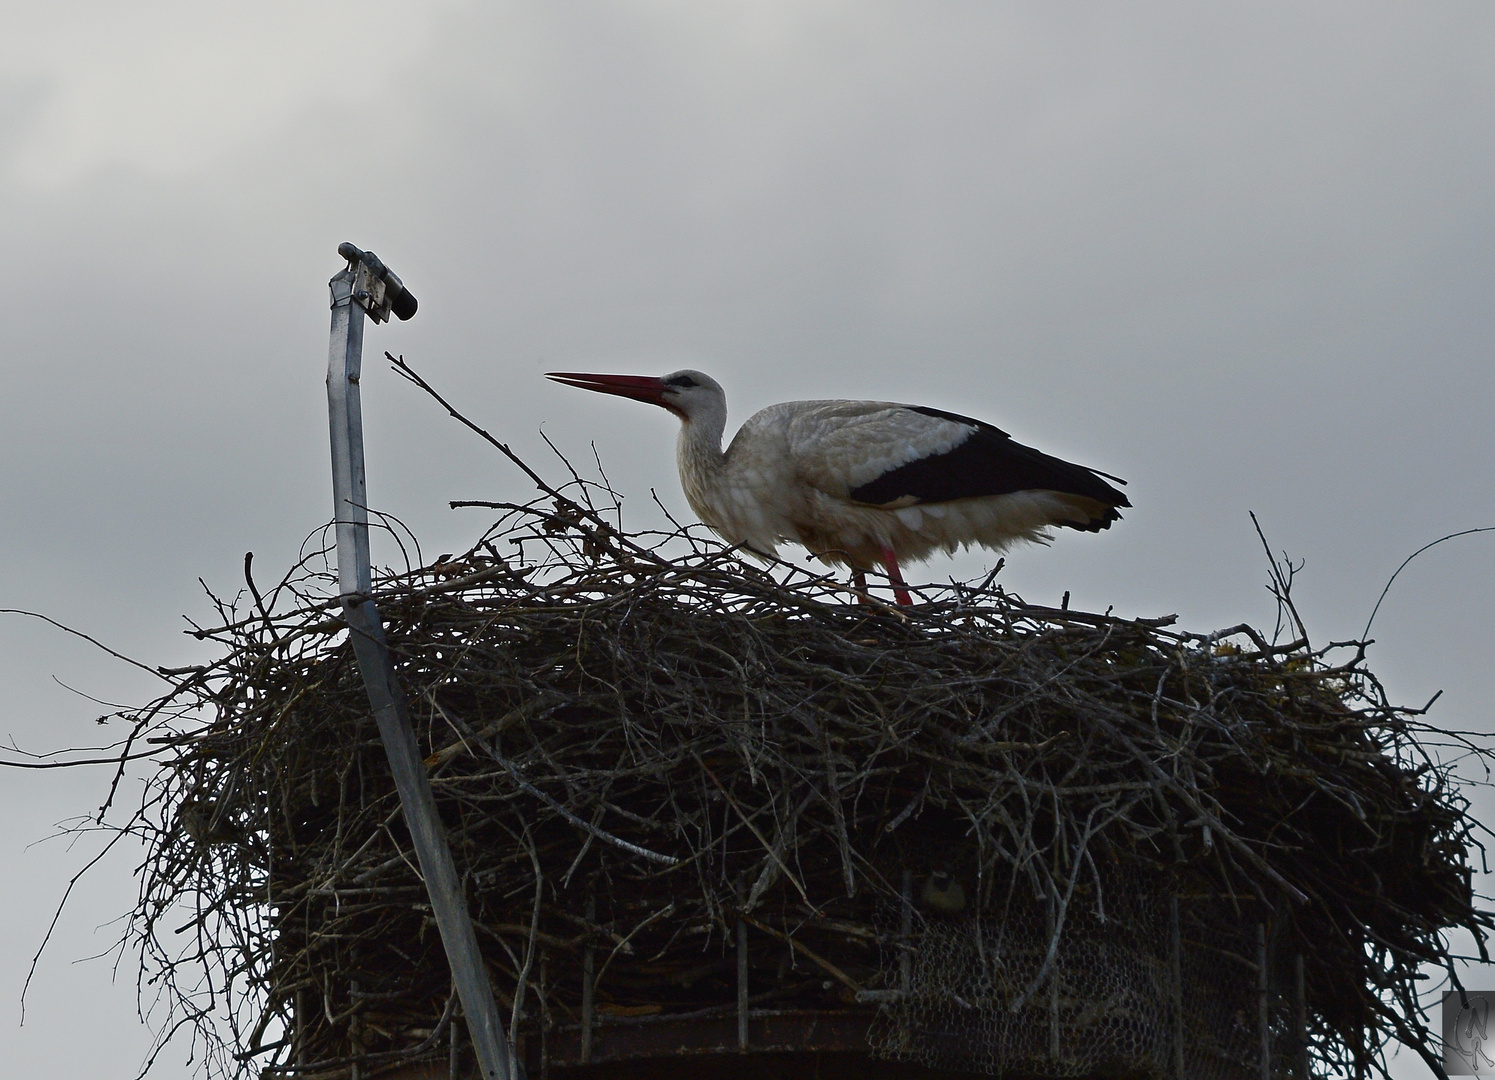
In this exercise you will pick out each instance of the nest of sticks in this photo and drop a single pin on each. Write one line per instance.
(650, 755)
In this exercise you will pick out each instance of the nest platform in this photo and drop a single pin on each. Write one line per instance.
(707, 812)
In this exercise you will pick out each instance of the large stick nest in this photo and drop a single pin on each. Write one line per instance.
(639, 742)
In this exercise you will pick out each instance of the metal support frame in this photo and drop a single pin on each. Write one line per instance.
(588, 977)
(367, 286)
(1264, 1000)
(906, 933)
(1300, 1018)
(742, 986)
(1176, 985)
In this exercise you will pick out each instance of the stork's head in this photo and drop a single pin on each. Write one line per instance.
(690, 395)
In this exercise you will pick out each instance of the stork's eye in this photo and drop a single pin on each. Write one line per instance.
(681, 382)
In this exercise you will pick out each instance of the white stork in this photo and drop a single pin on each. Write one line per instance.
(863, 483)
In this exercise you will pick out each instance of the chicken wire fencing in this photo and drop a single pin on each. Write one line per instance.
(1140, 987)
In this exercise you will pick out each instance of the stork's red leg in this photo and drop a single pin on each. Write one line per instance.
(900, 588)
(859, 583)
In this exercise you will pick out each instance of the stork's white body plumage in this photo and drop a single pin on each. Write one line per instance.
(862, 483)
(789, 473)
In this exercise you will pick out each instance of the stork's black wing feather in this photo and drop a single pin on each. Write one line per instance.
(989, 462)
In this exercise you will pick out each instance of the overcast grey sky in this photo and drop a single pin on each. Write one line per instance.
(1241, 256)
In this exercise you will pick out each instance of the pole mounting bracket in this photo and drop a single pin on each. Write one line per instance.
(375, 287)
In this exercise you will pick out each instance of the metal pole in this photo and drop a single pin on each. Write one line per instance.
(588, 977)
(1264, 1001)
(742, 986)
(368, 287)
(1176, 972)
(1300, 1016)
(906, 933)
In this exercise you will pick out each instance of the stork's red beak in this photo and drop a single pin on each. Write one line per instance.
(648, 388)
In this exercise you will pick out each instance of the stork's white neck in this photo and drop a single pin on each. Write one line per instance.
(698, 452)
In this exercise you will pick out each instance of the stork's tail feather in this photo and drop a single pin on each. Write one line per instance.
(1092, 515)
